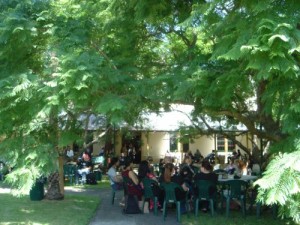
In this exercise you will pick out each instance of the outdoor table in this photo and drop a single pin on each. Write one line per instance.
(247, 178)
(244, 177)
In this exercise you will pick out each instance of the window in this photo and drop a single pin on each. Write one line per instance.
(221, 143)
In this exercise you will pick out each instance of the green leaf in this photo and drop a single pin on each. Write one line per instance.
(281, 37)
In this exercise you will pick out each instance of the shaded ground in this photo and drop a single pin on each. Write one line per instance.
(108, 214)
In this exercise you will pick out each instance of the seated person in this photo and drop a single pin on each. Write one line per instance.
(187, 170)
(206, 174)
(231, 167)
(170, 176)
(133, 186)
(145, 172)
(114, 179)
(242, 168)
(84, 166)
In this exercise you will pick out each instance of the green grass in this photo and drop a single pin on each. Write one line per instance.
(79, 209)
(235, 218)
(72, 210)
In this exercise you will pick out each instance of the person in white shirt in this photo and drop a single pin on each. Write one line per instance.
(116, 180)
(70, 153)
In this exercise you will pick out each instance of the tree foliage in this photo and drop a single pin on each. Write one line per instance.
(235, 61)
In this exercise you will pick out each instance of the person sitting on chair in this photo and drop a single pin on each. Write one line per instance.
(114, 179)
(187, 170)
(133, 184)
(84, 166)
(206, 174)
(170, 176)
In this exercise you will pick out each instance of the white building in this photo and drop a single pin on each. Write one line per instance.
(158, 135)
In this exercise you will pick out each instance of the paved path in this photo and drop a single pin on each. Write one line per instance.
(108, 214)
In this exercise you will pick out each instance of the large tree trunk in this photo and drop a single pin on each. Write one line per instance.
(53, 191)
(61, 174)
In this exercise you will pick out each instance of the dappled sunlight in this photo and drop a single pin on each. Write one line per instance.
(5, 190)
(75, 189)
(25, 223)
(27, 211)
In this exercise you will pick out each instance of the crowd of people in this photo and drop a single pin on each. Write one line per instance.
(193, 168)
(185, 177)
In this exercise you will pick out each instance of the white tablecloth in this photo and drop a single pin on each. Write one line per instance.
(245, 178)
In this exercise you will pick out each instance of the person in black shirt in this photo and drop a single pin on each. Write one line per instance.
(206, 174)
(84, 166)
(187, 170)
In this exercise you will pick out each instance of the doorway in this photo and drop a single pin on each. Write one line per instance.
(132, 146)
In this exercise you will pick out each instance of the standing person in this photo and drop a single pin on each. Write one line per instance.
(198, 157)
(123, 158)
(137, 156)
(69, 153)
(239, 155)
(206, 174)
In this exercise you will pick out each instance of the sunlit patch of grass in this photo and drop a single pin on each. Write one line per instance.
(27, 211)
(103, 183)
(74, 209)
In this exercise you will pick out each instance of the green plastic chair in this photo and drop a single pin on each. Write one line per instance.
(113, 194)
(274, 209)
(170, 197)
(148, 193)
(204, 187)
(69, 172)
(235, 189)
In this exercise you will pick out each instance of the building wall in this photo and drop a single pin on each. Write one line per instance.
(157, 145)
(205, 144)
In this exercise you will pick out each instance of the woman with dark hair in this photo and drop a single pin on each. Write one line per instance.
(206, 174)
(115, 180)
(144, 171)
(170, 176)
(131, 180)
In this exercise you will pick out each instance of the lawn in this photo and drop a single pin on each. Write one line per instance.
(235, 218)
(79, 209)
(73, 210)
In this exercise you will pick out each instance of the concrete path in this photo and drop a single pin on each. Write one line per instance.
(108, 214)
